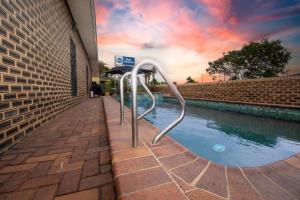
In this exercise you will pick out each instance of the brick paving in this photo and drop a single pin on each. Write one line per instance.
(67, 158)
(170, 171)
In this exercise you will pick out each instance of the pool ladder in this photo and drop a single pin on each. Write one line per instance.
(134, 108)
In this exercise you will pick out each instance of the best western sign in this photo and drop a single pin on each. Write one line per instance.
(122, 61)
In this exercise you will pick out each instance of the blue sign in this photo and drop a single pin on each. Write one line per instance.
(122, 61)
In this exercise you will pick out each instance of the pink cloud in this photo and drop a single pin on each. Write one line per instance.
(218, 8)
(154, 11)
(204, 39)
(102, 14)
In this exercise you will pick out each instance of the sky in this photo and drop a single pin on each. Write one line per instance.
(184, 35)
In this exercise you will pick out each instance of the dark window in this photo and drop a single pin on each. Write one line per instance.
(73, 68)
(87, 79)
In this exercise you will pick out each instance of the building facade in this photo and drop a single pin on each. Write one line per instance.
(47, 60)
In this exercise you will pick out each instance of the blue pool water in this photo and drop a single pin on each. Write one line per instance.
(226, 137)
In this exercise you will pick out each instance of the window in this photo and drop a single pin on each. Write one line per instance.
(73, 68)
(87, 79)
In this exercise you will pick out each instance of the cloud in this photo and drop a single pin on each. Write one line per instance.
(185, 34)
(102, 13)
(278, 14)
(154, 11)
(218, 8)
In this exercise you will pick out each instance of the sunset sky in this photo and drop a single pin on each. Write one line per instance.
(184, 35)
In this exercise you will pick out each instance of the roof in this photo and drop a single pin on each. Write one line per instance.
(83, 13)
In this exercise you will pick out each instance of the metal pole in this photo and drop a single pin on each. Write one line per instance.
(134, 107)
(122, 97)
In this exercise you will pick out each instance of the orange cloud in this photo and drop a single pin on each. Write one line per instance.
(102, 14)
(154, 11)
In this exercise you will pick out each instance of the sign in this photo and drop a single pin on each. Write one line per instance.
(122, 61)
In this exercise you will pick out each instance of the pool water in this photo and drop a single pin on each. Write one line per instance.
(227, 137)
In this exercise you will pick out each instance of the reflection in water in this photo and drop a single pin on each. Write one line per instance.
(227, 137)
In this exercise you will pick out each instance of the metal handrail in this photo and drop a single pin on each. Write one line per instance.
(173, 88)
(122, 98)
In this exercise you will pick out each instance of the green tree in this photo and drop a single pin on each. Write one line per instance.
(103, 67)
(256, 59)
(190, 80)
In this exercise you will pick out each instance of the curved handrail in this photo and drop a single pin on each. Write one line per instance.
(173, 88)
(122, 98)
(152, 97)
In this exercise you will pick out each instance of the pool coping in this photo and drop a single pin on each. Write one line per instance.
(168, 170)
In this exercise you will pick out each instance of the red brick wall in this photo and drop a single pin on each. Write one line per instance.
(282, 91)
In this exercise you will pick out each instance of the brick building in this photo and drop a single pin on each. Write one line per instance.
(48, 53)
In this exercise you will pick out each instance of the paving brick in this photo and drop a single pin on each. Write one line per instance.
(69, 183)
(83, 157)
(46, 193)
(13, 183)
(38, 169)
(41, 169)
(41, 158)
(105, 168)
(41, 181)
(94, 181)
(290, 184)
(286, 169)
(8, 157)
(135, 164)
(214, 180)
(90, 168)
(178, 159)
(140, 180)
(97, 149)
(104, 157)
(65, 167)
(182, 184)
(203, 195)
(4, 177)
(17, 168)
(129, 154)
(166, 191)
(266, 188)
(20, 159)
(21, 195)
(108, 192)
(191, 170)
(92, 194)
(239, 187)
(294, 161)
(168, 150)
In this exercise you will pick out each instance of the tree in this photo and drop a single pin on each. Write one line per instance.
(190, 80)
(256, 59)
(103, 67)
(154, 82)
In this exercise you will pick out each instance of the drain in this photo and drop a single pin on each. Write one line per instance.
(219, 147)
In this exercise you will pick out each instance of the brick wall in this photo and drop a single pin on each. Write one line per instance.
(281, 91)
(35, 79)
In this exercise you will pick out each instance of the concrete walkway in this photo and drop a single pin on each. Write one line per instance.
(67, 158)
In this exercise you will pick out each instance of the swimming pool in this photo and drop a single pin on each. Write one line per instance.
(227, 137)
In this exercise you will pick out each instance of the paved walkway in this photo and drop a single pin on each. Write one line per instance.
(67, 158)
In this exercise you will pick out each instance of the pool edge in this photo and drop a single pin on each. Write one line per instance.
(185, 173)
